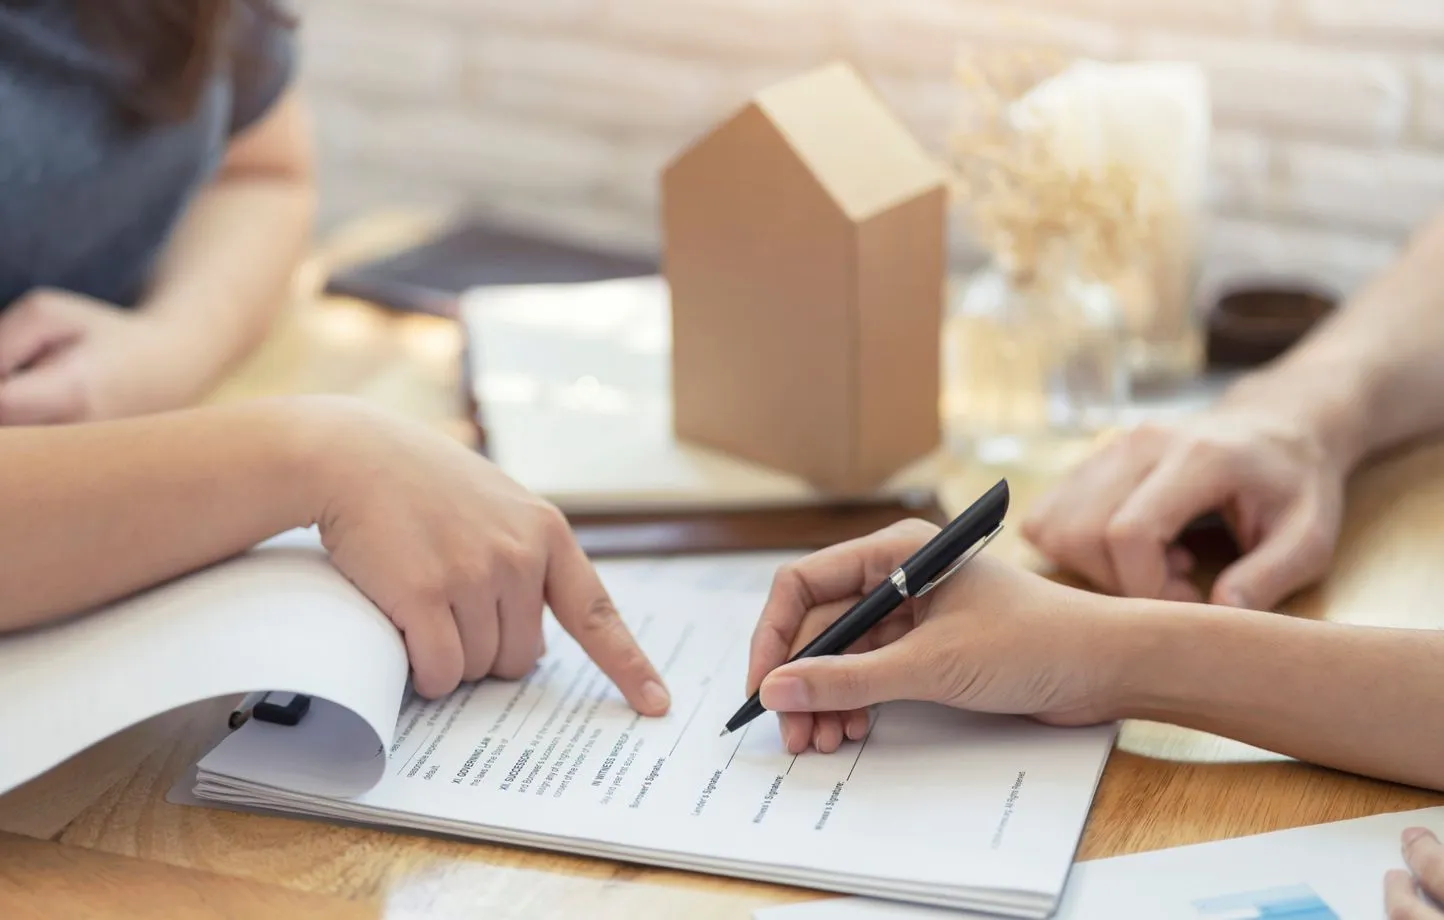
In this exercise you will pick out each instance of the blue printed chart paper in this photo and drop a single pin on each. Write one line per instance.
(1296, 902)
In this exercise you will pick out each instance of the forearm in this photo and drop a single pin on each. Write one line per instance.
(226, 273)
(92, 512)
(1365, 700)
(1371, 375)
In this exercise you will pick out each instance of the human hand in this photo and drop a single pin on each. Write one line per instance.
(992, 638)
(1115, 519)
(66, 358)
(461, 558)
(1425, 857)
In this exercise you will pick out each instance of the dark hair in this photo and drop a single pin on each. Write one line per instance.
(170, 49)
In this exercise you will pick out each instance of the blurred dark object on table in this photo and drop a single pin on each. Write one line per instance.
(1250, 326)
(1211, 535)
(431, 276)
(1211, 542)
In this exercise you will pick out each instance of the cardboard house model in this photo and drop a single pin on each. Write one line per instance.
(804, 248)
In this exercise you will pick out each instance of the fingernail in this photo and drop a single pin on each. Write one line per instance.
(1414, 834)
(655, 695)
(785, 694)
(1233, 597)
(797, 740)
(856, 727)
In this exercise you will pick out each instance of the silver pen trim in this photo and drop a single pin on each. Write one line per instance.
(899, 580)
(972, 551)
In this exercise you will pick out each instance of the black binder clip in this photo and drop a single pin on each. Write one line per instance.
(276, 708)
(282, 708)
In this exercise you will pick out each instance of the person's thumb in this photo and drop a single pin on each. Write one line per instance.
(840, 683)
(1293, 554)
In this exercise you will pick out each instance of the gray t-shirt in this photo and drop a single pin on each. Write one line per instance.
(88, 201)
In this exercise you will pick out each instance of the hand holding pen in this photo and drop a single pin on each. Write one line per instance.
(991, 638)
(818, 610)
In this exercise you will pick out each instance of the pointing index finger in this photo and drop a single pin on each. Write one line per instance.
(582, 606)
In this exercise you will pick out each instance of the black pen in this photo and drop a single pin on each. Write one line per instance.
(939, 558)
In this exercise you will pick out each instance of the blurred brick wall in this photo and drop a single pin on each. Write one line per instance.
(557, 114)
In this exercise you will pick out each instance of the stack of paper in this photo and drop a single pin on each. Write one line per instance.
(934, 806)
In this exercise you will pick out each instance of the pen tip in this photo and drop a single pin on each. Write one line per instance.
(724, 734)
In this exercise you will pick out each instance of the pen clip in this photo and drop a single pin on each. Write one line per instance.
(972, 551)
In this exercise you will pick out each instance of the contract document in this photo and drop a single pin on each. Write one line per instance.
(934, 806)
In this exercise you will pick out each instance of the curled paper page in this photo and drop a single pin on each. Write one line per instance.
(278, 618)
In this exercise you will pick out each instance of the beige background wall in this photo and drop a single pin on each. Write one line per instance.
(556, 114)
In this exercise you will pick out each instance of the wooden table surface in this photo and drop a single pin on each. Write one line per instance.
(95, 836)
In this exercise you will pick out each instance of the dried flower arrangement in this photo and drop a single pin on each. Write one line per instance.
(1035, 215)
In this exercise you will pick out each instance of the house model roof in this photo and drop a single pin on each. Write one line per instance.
(857, 149)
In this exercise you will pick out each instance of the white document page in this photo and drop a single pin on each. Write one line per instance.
(574, 387)
(1324, 872)
(269, 620)
(934, 805)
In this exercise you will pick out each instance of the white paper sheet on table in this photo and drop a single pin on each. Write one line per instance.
(573, 385)
(1323, 872)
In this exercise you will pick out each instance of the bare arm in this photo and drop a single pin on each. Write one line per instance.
(229, 266)
(1372, 373)
(460, 558)
(1360, 699)
(95, 511)
(1273, 458)
(997, 638)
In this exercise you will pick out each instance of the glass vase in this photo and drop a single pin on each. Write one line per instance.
(1033, 368)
